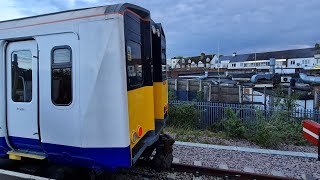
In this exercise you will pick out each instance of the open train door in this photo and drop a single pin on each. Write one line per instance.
(22, 96)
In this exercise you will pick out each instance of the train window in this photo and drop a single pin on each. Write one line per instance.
(134, 64)
(164, 64)
(21, 76)
(61, 76)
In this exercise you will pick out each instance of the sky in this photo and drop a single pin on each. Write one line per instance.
(209, 26)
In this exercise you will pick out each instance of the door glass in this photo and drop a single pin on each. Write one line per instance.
(134, 64)
(21, 76)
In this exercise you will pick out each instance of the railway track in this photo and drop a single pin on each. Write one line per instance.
(222, 173)
(178, 171)
(144, 171)
(198, 172)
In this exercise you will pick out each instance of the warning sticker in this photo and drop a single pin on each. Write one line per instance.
(129, 53)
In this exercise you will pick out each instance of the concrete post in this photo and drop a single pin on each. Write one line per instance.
(187, 88)
(176, 84)
(240, 94)
(210, 91)
(289, 91)
(316, 100)
(205, 93)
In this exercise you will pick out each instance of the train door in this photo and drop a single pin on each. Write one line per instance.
(159, 73)
(22, 95)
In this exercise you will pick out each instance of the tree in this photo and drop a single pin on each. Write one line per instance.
(317, 46)
(203, 56)
(179, 57)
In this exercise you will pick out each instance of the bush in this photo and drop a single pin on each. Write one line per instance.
(233, 126)
(288, 128)
(184, 116)
(171, 95)
(278, 129)
(264, 134)
(200, 96)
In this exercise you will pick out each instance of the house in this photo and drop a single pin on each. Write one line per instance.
(192, 62)
(307, 58)
(214, 61)
(286, 59)
(173, 63)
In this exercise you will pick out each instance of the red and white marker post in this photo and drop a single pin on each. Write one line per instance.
(311, 132)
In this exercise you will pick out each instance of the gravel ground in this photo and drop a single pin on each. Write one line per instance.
(290, 166)
(145, 173)
(241, 143)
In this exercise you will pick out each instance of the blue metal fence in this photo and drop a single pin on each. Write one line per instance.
(212, 114)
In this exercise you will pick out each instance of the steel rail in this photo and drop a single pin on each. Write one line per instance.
(201, 170)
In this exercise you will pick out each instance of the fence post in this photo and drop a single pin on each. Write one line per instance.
(265, 102)
(315, 101)
(205, 93)
(187, 88)
(209, 98)
(176, 84)
(289, 91)
(176, 88)
(240, 94)
(219, 92)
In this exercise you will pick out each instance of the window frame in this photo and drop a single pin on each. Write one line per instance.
(60, 66)
(141, 84)
(31, 77)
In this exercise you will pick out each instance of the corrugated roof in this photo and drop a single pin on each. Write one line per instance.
(237, 58)
(285, 54)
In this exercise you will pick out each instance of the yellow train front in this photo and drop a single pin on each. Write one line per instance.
(147, 84)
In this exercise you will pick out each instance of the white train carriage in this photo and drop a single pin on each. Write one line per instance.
(77, 87)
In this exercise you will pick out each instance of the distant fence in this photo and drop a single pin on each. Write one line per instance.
(197, 89)
(212, 114)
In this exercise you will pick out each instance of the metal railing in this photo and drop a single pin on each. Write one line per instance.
(213, 114)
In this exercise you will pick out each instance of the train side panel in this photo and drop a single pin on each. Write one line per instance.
(104, 99)
(3, 133)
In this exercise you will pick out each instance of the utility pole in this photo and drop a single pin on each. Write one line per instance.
(219, 61)
(255, 59)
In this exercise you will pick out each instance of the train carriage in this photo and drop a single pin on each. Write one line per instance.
(85, 87)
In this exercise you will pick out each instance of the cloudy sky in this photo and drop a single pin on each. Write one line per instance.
(195, 26)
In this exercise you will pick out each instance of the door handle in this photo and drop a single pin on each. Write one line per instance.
(35, 133)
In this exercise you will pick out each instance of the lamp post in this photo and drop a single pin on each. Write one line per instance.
(255, 59)
(219, 61)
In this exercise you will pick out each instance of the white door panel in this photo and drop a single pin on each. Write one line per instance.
(22, 94)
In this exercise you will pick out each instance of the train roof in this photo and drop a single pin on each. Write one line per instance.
(76, 13)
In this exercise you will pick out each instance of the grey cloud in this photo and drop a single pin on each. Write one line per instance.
(193, 26)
